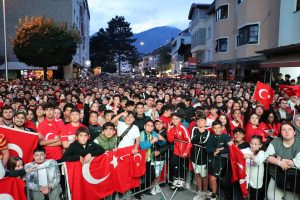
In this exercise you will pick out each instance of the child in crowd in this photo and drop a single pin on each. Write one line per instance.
(255, 167)
(82, 149)
(44, 181)
(199, 137)
(108, 138)
(148, 139)
(178, 134)
(15, 167)
(253, 129)
(159, 153)
(217, 145)
(238, 138)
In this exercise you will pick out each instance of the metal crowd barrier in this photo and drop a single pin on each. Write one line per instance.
(157, 170)
(51, 177)
(289, 189)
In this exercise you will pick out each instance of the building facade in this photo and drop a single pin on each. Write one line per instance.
(235, 31)
(70, 12)
(179, 48)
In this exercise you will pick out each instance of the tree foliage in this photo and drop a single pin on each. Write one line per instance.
(110, 45)
(41, 42)
(165, 59)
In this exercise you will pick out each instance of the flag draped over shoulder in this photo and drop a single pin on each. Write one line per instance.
(238, 165)
(105, 174)
(20, 143)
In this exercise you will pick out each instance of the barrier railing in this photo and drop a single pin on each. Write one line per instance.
(264, 181)
(46, 181)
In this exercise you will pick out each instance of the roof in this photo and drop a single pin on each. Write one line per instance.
(211, 8)
(281, 50)
(195, 6)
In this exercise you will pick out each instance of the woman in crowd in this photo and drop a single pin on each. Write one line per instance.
(284, 155)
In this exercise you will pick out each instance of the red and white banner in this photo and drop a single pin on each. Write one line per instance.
(264, 94)
(12, 188)
(20, 143)
(290, 90)
(238, 165)
(105, 174)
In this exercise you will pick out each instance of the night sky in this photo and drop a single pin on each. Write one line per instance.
(142, 14)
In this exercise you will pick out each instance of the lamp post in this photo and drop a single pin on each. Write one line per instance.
(5, 48)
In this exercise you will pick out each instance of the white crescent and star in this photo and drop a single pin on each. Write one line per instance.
(5, 196)
(87, 174)
(139, 155)
(16, 148)
(47, 135)
(260, 93)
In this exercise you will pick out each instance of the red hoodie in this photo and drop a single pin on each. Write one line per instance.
(250, 131)
(180, 133)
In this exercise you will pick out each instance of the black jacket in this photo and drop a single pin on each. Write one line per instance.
(76, 150)
(140, 121)
(161, 149)
(198, 151)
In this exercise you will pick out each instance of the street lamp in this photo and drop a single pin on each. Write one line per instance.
(88, 63)
(5, 48)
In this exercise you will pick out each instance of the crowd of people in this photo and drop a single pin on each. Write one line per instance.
(194, 120)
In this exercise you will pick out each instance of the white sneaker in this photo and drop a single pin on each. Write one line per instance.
(175, 183)
(157, 189)
(180, 183)
(153, 191)
(199, 196)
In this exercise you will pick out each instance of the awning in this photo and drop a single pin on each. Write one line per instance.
(283, 56)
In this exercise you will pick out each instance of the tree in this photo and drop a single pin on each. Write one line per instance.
(110, 45)
(99, 49)
(120, 36)
(44, 43)
(164, 59)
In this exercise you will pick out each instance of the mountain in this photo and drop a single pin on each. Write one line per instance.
(151, 39)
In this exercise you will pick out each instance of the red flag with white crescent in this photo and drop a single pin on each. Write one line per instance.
(138, 164)
(238, 166)
(104, 175)
(20, 143)
(12, 188)
(264, 94)
(92, 180)
(290, 90)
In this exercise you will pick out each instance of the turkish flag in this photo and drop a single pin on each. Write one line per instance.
(92, 180)
(290, 90)
(264, 94)
(12, 188)
(238, 165)
(122, 177)
(20, 143)
(138, 164)
(105, 174)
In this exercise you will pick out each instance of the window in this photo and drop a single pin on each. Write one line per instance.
(298, 5)
(222, 12)
(221, 45)
(248, 35)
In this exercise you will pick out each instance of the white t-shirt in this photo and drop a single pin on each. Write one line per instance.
(130, 137)
(255, 168)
